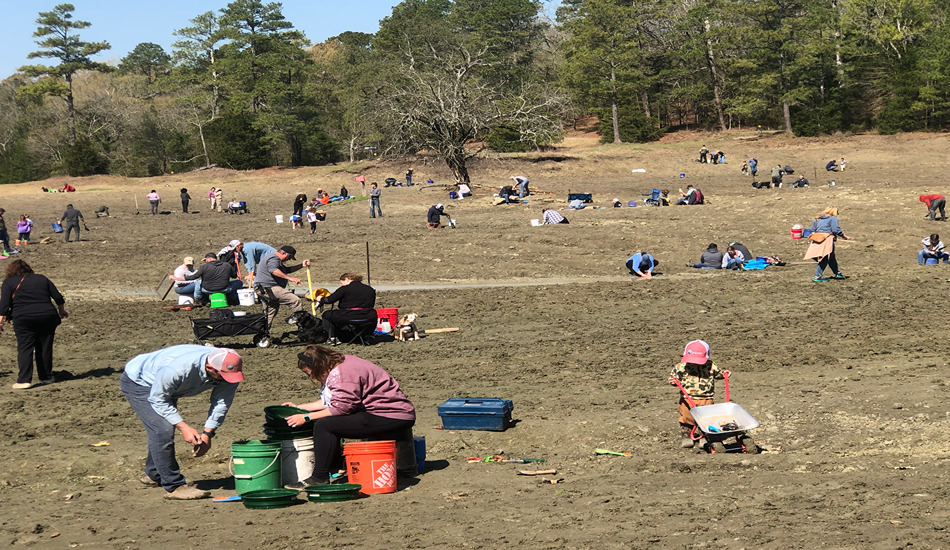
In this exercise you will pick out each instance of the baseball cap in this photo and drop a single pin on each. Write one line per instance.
(440, 205)
(291, 251)
(697, 352)
(189, 260)
(228, 363)
(234, 243)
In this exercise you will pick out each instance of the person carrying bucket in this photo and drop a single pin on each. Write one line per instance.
(697, 374)
(358, 400)
(153, 382)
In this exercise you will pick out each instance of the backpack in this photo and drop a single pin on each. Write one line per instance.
(700, 199)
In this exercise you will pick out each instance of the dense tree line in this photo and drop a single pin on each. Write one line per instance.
(243, 88)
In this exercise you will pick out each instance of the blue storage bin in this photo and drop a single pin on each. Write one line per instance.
(476, 413)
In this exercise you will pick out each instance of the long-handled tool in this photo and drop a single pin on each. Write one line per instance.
(313, 303)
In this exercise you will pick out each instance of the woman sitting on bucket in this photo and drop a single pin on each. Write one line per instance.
(358, 399)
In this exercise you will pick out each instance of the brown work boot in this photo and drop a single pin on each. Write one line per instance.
(187, 492)
(687, 442)
(145, 480)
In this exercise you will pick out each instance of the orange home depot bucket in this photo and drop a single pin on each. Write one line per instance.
(796, 232)
(390, 314)
(372, 464)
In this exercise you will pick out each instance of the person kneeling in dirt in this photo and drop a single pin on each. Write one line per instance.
(102, 212)
(710, 259)
(550, 216)
(506, 193)
(697, 374)
(642, 265)
(434, 216)
(153, 382)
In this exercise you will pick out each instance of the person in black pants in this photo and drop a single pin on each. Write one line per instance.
(357, 303)
(185, 199)
(358, 400)
(26, 296)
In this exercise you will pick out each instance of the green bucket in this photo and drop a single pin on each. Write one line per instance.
(255, 465)
(219, 299)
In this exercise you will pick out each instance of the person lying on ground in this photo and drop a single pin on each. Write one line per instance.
(102, 212)
(576, 204)
(935, 202)
(697, 374)
(550, 216)
(710, 259)
(641, 265)
(358, 400)
(932, 248)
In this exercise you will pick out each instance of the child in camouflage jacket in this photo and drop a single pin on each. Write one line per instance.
(697, 373)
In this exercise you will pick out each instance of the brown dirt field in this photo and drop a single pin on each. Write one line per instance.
(848, 378)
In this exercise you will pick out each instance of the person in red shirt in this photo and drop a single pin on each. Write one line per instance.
(935, 202)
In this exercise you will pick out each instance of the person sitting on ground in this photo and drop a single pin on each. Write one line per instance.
(935, 202)
(641, 265)
(357, 301)
(506, 192)
(802, 181)
(344, 192)
(710, 259)
(358, 399)
(832, 166)
(67, 189)
(434, 216)
(616, 203)
(102, 212)
(216, 276)
(691, 196)
(742, 248)
(733, 259)
(664, 197)
(549, 216)
(777, 174)
(932, 248)
(463, 190)
(184, 287)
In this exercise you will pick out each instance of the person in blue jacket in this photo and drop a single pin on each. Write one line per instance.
(154, 382)
(826, 223)
(642, 265)
(753, 166)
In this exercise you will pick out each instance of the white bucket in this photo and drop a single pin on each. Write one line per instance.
(535, 223)
(246, 297)
(184, 299)
(296, 460)
(279, 218)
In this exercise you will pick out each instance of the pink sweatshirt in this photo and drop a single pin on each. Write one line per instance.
(357, 385)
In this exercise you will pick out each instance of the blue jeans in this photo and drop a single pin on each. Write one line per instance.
(230, 291)
(701, 266)
(505, 196)
(734, 264)
(523, 190)
(923, 255)
(188, 289)
(161, 464)
(374, 207)
(827, 261)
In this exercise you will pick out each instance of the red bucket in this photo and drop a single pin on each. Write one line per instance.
(371, 464)
(797, 233)
(390, 314)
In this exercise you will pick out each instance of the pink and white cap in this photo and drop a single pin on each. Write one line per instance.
(228, 364)
(697, 352)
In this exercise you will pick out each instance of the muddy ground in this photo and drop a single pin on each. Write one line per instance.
(847, 378)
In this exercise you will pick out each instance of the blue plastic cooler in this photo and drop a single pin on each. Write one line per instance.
(476, 413)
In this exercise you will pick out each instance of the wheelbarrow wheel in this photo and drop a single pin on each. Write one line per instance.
(261, 341)
(748, 444)
(717, 447)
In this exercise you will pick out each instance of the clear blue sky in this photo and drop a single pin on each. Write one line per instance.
(126, 23)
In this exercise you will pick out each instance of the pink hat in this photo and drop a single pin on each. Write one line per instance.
(697, 352)
(228, 363)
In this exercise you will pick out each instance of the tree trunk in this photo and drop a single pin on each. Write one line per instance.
(201, 134)
(788, 118)
(711, 65)
(352, 149)
(839, 62)
(70, 107)
(646, 103)
(455, 160)
(614, 111)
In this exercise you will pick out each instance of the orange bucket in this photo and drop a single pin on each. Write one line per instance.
(390, 314)
(371, 464)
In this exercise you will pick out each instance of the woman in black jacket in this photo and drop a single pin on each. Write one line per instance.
(25, 298)
(357, 303)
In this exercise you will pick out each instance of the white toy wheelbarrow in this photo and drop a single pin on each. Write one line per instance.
(721, 422)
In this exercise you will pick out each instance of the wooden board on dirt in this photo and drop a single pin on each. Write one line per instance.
(164, 287)
(439, 330)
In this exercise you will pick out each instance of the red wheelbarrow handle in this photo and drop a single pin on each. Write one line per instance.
(685, 395)
(725, 381)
